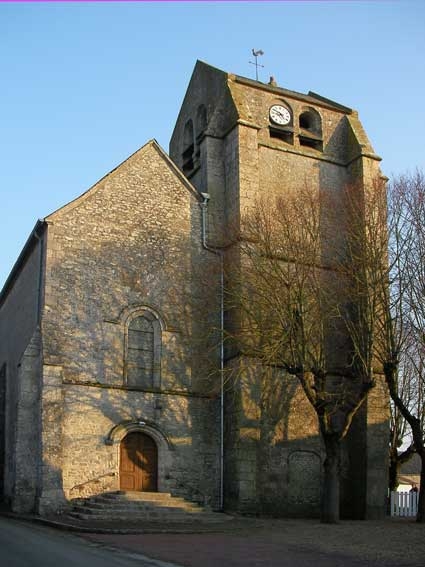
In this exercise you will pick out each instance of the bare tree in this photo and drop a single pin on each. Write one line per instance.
(364, 289)
(401, 448)
(386, 272)
(294, 314)
(402, 344)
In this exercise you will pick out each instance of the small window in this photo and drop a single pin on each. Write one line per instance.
(285, 134)
(310, 121)
(143, 351)
(201, 126)
(201, 120)
(188, 147)
(310, 124)
(306, 121)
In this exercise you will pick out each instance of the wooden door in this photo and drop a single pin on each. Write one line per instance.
(139, 463)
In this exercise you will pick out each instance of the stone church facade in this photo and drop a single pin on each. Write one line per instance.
(110, 321)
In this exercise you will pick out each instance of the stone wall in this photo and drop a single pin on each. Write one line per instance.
(377, 449)
(186, 445)
(27, 449)
(19, 312)
(273, 450)
(243, 161)
(128, 245)
(131, 247)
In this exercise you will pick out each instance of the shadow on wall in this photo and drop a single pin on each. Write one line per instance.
(273, 453)
(93, 463)
(88, 335)
(273, 456)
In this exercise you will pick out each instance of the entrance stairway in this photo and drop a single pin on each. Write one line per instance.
(134, 507)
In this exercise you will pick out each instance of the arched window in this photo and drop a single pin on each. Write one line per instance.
(310, 120)
(310, 124)
(201, 126)
(143, 351)
(188, 147)
(201, 120)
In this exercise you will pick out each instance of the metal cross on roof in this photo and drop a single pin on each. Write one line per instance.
(256, 54)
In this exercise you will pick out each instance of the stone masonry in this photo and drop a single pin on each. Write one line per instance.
(273, 455)
(110, 320)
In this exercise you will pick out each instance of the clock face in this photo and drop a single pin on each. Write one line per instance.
(279, 115)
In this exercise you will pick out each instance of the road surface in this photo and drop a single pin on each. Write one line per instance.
(30, 545)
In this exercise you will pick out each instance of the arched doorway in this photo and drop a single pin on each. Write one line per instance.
(138, 463)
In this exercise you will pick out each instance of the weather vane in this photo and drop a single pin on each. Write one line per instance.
(256, 54)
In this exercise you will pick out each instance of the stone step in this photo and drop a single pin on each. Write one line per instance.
(124, 511)
(136, 495)
(142, 511)
(209, 517)
(130, 507)
(138, 505)
(106, 499)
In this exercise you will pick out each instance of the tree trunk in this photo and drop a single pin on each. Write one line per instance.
(330, 494)
(421, 504)
(394, 467)
(396, 460)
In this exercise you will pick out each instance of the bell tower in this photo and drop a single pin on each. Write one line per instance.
(239, 140)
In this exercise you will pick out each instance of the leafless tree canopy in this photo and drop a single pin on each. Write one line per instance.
(307, 303)
(402, 339)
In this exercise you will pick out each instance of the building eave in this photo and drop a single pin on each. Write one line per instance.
(28, 247)
(310, 98)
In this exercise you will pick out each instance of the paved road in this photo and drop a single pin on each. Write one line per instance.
(30, 545)
(265, 543)
(212, 550)
(285, 543)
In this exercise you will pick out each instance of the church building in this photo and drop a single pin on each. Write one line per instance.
(112, 321)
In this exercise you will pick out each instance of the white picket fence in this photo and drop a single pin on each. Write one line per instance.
(404, 503)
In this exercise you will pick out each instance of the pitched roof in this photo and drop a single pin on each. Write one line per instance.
(310, 97)
(151, 144)
(412, 466)
(32, 240)
(39, 228)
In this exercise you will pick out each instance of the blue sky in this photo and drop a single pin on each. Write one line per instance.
(83, 85)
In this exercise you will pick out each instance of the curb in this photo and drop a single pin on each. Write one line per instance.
(64, 526)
